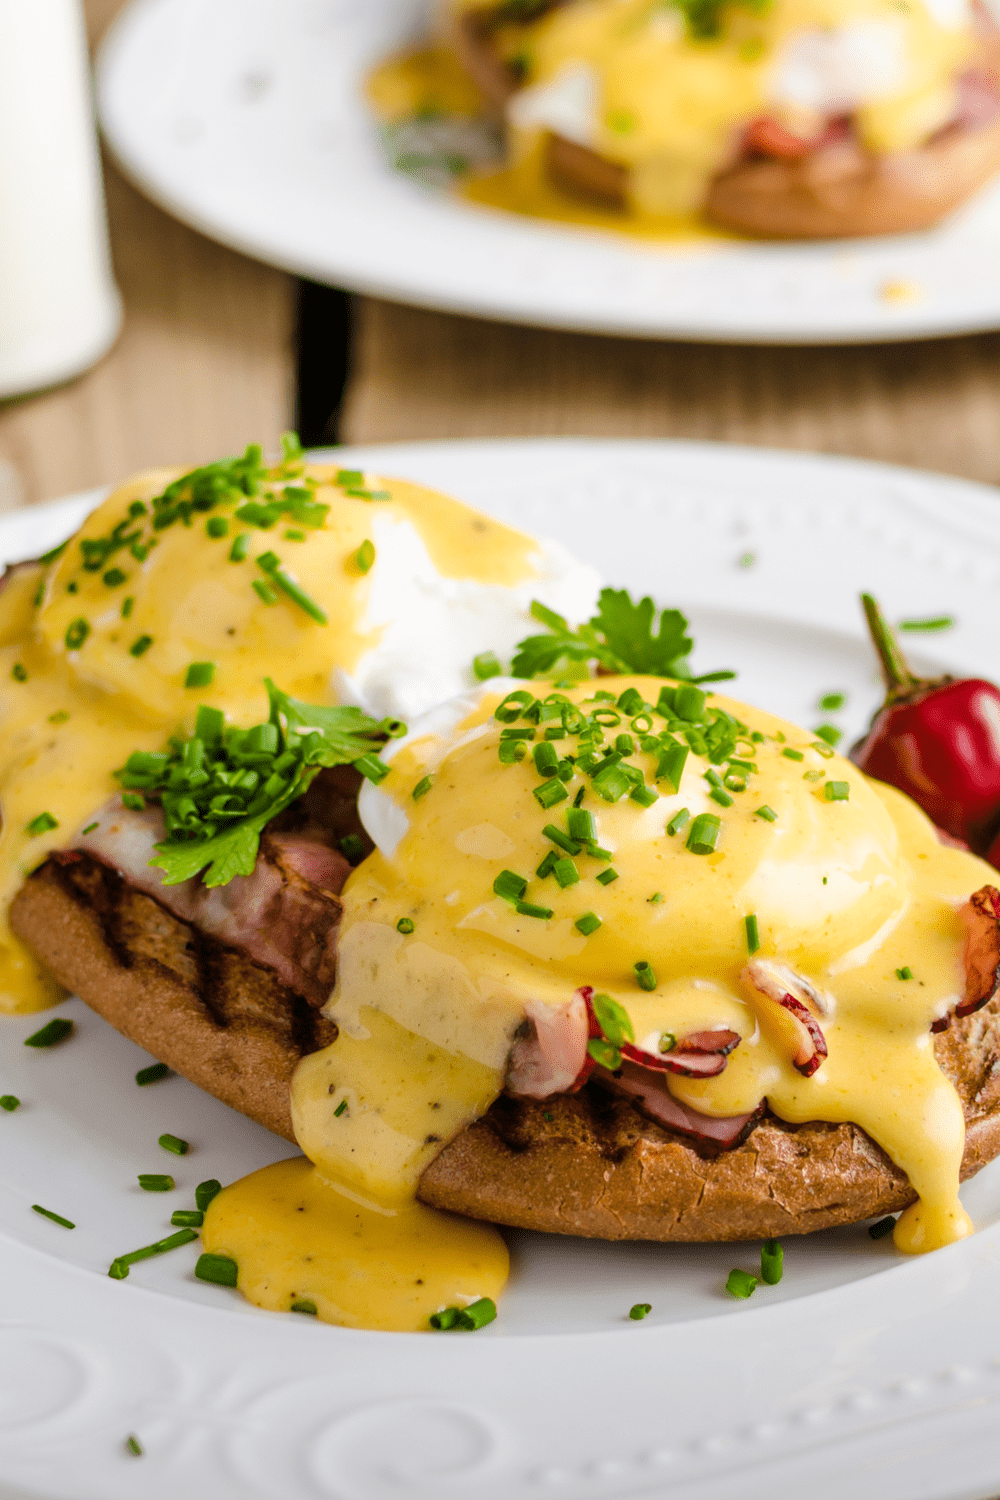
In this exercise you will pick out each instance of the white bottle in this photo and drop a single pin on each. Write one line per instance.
(59, 306)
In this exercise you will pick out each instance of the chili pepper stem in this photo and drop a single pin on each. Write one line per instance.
(895, 670)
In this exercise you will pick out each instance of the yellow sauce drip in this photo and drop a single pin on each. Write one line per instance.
(296, 1238)
(845, 892)
(668, 105)
(79, 713)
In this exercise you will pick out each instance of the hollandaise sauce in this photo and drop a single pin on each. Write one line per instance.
(663, 91)
(617, 835)
(171, 594)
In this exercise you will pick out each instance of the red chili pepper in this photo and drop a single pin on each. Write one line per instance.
(937, 739)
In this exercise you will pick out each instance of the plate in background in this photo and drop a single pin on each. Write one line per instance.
(862, 1370)
(246, 118)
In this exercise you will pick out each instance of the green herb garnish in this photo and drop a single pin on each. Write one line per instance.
(639, 1311)
(219, 1269)
(57, 1030)
(741, 1284)
(753, 936)
(464, 1319)
(771, 1262)
(619, 637)
(222, 786)
(156, 1182)
(47, 1213)
(119, 1268)
(43, 823)
(174, 1144)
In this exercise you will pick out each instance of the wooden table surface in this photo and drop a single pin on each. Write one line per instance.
(206, 363)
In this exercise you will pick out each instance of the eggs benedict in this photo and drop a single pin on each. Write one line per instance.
(627, 959)
(784, 119)
(341, 587)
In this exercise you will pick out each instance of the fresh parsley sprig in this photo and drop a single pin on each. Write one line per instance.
(620, 638)
(220, 787)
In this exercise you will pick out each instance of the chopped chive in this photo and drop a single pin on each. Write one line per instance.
(581, 825)
(422, 787)
(882, 1228)
(510, 885)
(640, 1311)
(9, 1102)
(550, 793)
(721, 797)
(547, 865)
(837, 791)
(678, 821)
(741, 1284)
(294, 536)
(141, 646)
(90, 828)
(219, 1269)
(128, 605)
(822, 748)
(372, 768)
(830, 733)
(265, 593)
(464, 1319)
(156, 1182)
(566, 873)
(704, 833)
(607, 876)
(240, 548)
(557, 837)
(114, 578)
(364, 557)
(134, 801)
(938, 622)
(904, 973)
(206, 1191)
(405, 926)
(771, 1262)
(753, 936)
(174, 1144)
(304, 1305)
(611, 783)
(644, 795)
(50, 557)
(486, 665)
(270, 563)
(19, 672)
(767, 813)
(791, 754)
(56, 1031)
(200, 674)
(644, 974)
(44, 823)
(655, 898)
(187, 1218)
(217, 526)
(689, 704)
(604, 1053)
(830, 702)
(528, 909)
(77, 632)
(586, 924)
(118, 1270)
(152, 1074)
(545, 758)
(47, 1213)
(341, 1107)
(349, 477)
(667, 1042)
(134, 1446)
(813, 775)
(59, 717)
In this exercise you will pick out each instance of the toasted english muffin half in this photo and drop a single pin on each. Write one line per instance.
(837, 191)
(586, 1164)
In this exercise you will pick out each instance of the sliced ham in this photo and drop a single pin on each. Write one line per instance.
(981, 919)
(700, 1054)
(648, 1092)
(284, 915)
(551, 1055)
(782, 999)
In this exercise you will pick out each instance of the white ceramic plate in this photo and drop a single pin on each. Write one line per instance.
(862, 1371)
(246, 118)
